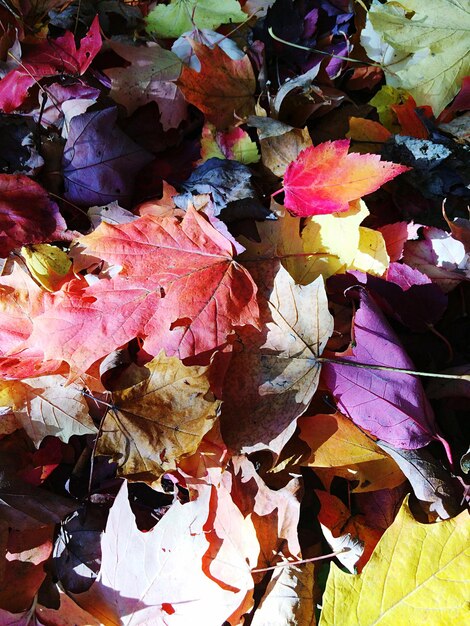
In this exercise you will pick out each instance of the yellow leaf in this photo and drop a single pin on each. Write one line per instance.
(49, 265)
(159, 420)
(328, 244)
(371, 255)
(430, 41)
(418, 574)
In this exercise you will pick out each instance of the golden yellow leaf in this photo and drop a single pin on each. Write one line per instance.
(159, 420)
(327, 245)
(418, 574)
(335, 441)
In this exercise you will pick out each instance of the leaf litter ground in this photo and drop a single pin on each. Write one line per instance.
(230, 233)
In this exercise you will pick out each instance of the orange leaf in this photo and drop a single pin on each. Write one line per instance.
(325, 178)
(224, 88)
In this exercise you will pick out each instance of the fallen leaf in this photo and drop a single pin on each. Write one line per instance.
(149, 77)
(272, 378)
(324, 246)
(153, 296)
(52, 57)
(440, 493)
(433, 44)
(440, 256)
(27, 214)
(415, 570)
(100, 161)
(144, 576)
(289, 598)
(278, 151)
(180, 16)
(325, 178)
(335, 441)
(161, 419)
(224, 88)
(45, 406)
(390, 405)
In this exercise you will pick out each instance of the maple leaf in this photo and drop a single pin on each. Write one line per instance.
(416, 569)
(27, 214)
(223, 89)
(100, 160)
(326, 244)
(148, 78)
(153, 297)
(180, 16)
(45, 406)
(159, 420)
(272, 379)
(325, 178)
(54, 56)
(431, 46)
(144, 576)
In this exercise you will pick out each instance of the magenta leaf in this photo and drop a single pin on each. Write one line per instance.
(390, 405)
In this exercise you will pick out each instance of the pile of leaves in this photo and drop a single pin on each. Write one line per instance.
(210, 411)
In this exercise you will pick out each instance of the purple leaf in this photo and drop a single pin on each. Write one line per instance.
(100, 160)
(390, 405)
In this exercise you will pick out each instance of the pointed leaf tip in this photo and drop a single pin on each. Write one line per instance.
(325, 178)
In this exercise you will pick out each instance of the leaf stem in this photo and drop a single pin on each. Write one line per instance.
(301, 561)
(328, 54)
(400, 370)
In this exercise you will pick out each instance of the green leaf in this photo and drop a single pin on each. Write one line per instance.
(172, 20)
(431, 42)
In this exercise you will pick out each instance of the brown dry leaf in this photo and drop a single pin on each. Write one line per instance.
(45, 406)
(278, 151)
(288, 599)
(159, 420)
(273, 377)
(224, 88)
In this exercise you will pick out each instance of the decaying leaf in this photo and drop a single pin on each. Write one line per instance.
(224, 88)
